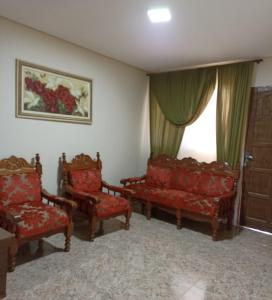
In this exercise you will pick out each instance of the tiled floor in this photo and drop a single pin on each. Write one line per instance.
(152, 260)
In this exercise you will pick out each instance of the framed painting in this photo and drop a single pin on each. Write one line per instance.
(47, 94)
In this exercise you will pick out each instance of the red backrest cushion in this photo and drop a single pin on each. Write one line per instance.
(19, 188)
(215, 185)
(157, 176)
(185, 180)
(86, 180)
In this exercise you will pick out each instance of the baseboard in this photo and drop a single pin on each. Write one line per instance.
(257, 230)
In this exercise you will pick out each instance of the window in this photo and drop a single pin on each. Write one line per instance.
(199, 139)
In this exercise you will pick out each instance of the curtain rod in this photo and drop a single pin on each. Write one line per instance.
(257, 60)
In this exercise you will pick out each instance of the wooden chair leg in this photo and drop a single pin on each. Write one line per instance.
(215, 227)
(142, 208)
(229, 223)
(128, 215)
(93, 223)
(68, 234)
(101, 227)
(148, 210)
(178, 216)
(40, 246)
(229, 220)
(12, 256)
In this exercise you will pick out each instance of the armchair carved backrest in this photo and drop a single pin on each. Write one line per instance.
(22, 209)
(83, 172)
(19, 181)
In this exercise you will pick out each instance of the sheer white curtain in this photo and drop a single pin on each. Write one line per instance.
(199, 139)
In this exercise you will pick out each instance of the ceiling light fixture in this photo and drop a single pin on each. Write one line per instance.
(158, 15)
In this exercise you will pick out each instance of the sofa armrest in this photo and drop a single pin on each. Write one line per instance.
(81, 195)
(225, 203)
(133, 180)
(225, 197)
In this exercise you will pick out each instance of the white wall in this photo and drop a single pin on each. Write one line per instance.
(263, 73)
(119, 94)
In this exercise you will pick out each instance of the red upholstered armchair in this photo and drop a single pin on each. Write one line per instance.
(82, 181)
(22, 210)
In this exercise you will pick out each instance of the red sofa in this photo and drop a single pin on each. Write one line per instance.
(190, 189)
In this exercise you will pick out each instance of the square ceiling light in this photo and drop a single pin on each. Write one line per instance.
(159, 15)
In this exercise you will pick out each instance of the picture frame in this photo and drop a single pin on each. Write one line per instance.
(47, 94)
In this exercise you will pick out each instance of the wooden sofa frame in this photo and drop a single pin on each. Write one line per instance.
(225, 209)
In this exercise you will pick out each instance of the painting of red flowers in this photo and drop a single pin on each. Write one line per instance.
(48, 94)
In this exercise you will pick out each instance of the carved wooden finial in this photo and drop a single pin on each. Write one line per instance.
(99, 165)
(38, 164)
(37, 156)
(63, 157)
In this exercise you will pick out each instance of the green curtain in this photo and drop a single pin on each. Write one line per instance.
(234, 83)
(165, 137)
(183, 95)
(177, 99)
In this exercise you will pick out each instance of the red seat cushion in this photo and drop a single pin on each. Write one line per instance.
(175, 199)
(37, 218)
(214, 185)
(200, 204)
(183, 200)
(157, 176)
(20, 188)
(110, 205)
(86, 180)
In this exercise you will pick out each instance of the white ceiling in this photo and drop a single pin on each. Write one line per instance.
(201, 31)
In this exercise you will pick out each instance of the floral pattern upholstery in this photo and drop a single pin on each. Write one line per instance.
(201, 205)
(110, 205)
(158, 176)
(176, 199)
(184, 200)
(20, 188)
(214, 185)
(37, 218)
(185, 180)
(141, 190)
(204, 191)
(86, 180)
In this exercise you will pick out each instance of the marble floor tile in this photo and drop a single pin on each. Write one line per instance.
(152, 260)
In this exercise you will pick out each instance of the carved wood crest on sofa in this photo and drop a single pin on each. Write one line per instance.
(22, 210)
(188, 188)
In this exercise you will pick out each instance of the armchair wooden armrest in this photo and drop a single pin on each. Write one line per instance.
(8, 220)
(117, 189)
(132, 180)
(4, 214)
(69, 204)
(82, 195)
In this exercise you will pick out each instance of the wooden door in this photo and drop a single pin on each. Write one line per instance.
(257, 180)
